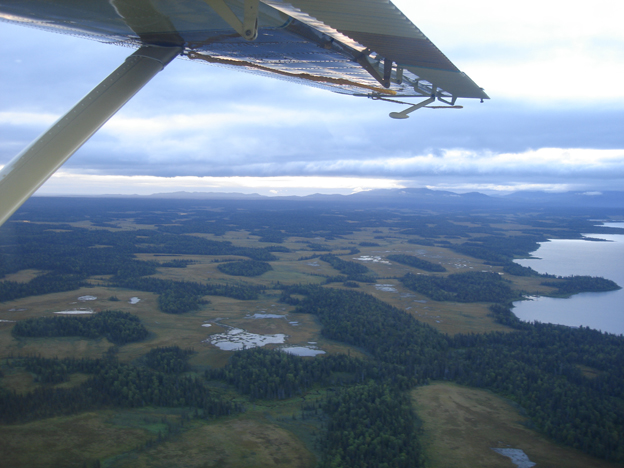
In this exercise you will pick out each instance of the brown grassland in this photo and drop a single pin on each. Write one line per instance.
(461, 426)
(118, 438)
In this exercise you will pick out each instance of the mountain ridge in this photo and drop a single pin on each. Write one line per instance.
(421, 196)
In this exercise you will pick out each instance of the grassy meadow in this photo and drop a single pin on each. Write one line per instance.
(461, 425)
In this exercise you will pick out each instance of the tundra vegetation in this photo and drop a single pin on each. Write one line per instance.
(434, 312)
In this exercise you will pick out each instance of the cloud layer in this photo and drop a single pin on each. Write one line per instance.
(555, 119)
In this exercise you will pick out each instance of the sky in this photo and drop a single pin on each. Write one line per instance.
(555, 120)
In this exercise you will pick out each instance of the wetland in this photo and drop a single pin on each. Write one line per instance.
(322, 310)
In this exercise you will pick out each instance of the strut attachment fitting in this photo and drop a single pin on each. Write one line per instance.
(248, 28)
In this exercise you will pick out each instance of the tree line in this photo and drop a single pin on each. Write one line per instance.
(268, 374)
(178, 297)
(353, 271)
(116, 326)
(111, 384)
(474, 286)
(566, 286)
(372, 425)
(245, 268)
(415, 262)
(169, 359)
(70, 255)
(44, 284)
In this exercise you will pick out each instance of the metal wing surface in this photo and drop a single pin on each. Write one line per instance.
(358, 47)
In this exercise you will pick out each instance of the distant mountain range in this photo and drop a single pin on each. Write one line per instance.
(426, 197)
(419, 198)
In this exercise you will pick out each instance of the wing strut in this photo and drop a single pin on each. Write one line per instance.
(21, 177)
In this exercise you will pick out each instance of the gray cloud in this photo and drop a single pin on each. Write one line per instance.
(195, 119)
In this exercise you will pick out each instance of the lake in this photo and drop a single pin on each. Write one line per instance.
(566, 257)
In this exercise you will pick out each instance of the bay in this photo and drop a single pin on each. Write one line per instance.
(566, 257)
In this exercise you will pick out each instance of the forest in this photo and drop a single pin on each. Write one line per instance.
(110, 384)
(353, 271)
(116, 326)
(537, 367)
(245, 268)
(569, 381)
(413, 261)
(473, 286)
(575, 284)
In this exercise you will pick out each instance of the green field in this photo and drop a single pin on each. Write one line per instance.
(461, 426)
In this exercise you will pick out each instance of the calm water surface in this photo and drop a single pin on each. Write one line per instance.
(602, 311)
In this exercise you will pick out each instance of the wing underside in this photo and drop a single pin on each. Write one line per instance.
(357, 47)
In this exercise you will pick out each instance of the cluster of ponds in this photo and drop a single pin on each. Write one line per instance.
(385, 287)
(372, 259)
(236, 339)
(85, 310)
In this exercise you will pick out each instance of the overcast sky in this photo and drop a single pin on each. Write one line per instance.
(555, 121)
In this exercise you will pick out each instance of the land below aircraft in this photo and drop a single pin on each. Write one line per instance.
(365, 48)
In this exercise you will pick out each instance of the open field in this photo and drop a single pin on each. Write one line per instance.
(235, 443)
(23, 276)
(68, 441)
(186, 330)
(130, 438)
(461, 426)
(257, 438)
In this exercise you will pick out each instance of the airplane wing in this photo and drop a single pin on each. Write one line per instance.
(358, 47)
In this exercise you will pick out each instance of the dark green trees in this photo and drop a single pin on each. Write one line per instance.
(462, 287)
(245, 268)
(416, 262)
(116, 326)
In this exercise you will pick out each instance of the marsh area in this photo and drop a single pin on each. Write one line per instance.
(169, 255)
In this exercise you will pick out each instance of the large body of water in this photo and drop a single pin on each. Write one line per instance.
(564, 257)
